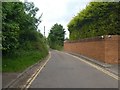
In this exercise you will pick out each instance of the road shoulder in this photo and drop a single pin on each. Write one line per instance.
(113, 68)
(19, 79)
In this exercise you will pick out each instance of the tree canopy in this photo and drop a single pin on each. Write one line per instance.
(56, 36)
(19, 27)
(98, 18)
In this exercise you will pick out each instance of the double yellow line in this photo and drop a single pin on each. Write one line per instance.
(29, 82)
(32, 78)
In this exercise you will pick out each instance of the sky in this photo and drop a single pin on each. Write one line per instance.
(57, 11)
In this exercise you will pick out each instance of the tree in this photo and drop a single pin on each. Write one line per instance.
(19, 27)
(10, 28)
(56, 36)
(98, 18)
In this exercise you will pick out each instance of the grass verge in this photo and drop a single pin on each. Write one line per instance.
(22, 60)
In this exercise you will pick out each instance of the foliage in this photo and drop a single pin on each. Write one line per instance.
(10, 29)
(20, 36)
(19, 26)
(98, 18)
(22, 60)
(56, 36)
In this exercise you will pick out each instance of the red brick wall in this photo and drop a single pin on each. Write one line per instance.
(105, 50)
(111, 49)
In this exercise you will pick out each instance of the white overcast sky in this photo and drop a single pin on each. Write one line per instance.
(57, 11)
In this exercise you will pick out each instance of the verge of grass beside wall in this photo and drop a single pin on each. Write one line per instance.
(60, 48)
(22, 60)
(57, 47)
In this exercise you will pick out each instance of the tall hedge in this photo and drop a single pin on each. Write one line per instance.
(98, 18)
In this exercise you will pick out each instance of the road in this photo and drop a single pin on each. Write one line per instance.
(65, 71)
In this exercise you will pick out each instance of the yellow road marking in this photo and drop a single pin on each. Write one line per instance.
(29, 82)
(95, 66)
(91, 64)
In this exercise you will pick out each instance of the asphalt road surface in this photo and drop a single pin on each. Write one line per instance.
(65, 71)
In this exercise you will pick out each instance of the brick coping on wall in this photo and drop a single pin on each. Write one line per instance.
(107, 37)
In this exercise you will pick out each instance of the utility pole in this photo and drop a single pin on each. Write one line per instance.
(44, 31)
(39, 30)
